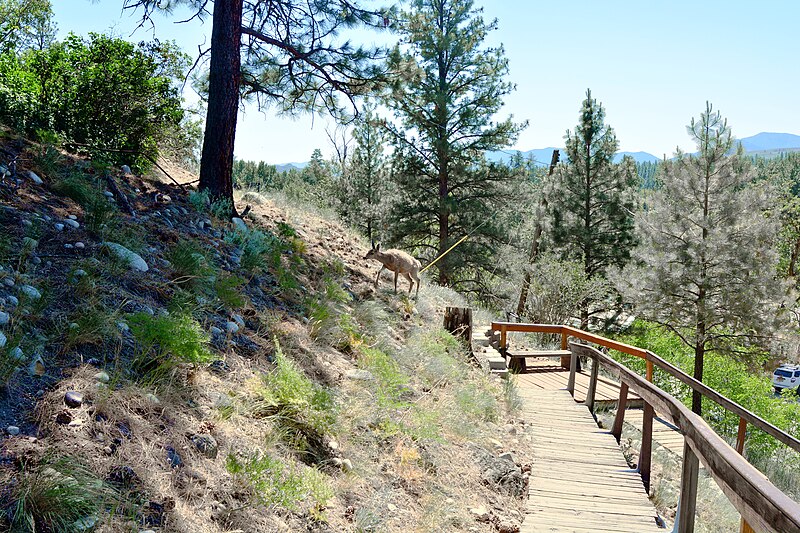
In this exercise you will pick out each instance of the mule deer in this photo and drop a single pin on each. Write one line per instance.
(398, 262)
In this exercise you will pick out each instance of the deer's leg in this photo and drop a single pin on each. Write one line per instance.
(379, 276)
(416, 278)
(410, 282)
(396, 273)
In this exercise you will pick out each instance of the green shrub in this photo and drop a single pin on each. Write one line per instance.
(288, 394)
(171, 339)
(276, 483)
(190, 265)
(88, 192)
(228, 290)
(92, 324)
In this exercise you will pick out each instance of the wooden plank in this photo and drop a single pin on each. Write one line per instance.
(579, 481)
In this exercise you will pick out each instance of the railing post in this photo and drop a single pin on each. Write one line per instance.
(503, 340)
(592, 384)
(649, 371)
(688, 500)
(741, 435)
(573, 367)
(564, 362)
(646, 450)
(622, 404)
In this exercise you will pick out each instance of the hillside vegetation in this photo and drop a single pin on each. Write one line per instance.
(250, 379)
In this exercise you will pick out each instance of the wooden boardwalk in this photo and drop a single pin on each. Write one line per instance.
(580, 481)
(548, 374)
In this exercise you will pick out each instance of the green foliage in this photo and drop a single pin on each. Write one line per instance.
(88, 192)
(172, 339)
(591, 208)
(445, 188)
(228, 290)
(99, 91)
(55, 495)
(190, 265)
(391, 380)
(361, 191)
(288, 394)
(92, 324)
(200, 200)
(707, 263)
(276, 483)
(26, 24)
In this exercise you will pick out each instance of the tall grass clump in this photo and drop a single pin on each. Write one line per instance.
(166, 341)
(56, 495)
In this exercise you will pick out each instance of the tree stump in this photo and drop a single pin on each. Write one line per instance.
(458, 321)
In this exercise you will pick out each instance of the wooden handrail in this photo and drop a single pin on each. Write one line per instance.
(760, 503)
(653, 359)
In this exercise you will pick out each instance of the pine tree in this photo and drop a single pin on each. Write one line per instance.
(285, 53)
(592, 204)
(707, 249)
(362, 190)
(446, 111)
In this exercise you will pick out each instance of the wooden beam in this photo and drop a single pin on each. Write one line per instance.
(573, 368)
(592, 384)
(646, 450)
(622, 404)
(688, 501)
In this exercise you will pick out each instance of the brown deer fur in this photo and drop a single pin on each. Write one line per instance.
(398, 262)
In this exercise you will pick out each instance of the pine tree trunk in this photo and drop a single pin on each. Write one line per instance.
(699, 354)
(216, 165)
(793, 259)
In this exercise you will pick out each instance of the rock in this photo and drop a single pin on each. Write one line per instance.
(333, 445)
(72, 223)
(108, 194)
(500, 473)
(123, 476)
(63, 418)
(481, 514)
(126, 169)
(79, 273)
(3, 339)
(30, 292)
(134, 260)
(508, 526)
(34, 177)
(5, 318)
(13, 301)
(254, 197)
(206, 444)
(153, 398)
(215, 331)
(359, 375)
(72, 217)
(239, 320)
(174, 458)
(26, 222)
(231, 327)
(36, 260)
(102, 377)
(12, 430)
(69, 246)
(239, 224)
(392, 507)
(79, 245)
(59, 226)
(219, 367)
(36, 367)
(506, 457)
(17, 354)
(86, 523)
(8, 281)
(223, 401)
(347, 465)
(73, 399)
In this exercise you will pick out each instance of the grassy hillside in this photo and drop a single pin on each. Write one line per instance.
(227, 377)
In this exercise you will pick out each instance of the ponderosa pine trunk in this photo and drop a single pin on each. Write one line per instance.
(216, 165)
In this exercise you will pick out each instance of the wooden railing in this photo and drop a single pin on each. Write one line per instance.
(760, 503)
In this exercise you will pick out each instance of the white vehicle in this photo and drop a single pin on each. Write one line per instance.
(786, 377)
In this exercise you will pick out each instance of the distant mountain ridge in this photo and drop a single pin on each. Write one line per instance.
(763, 143)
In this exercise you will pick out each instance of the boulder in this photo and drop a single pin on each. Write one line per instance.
(34, 177)
(133, 259)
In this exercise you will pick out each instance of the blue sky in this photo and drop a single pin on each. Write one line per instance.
(653, 65)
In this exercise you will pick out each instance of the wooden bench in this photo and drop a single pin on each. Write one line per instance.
(517, 357)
